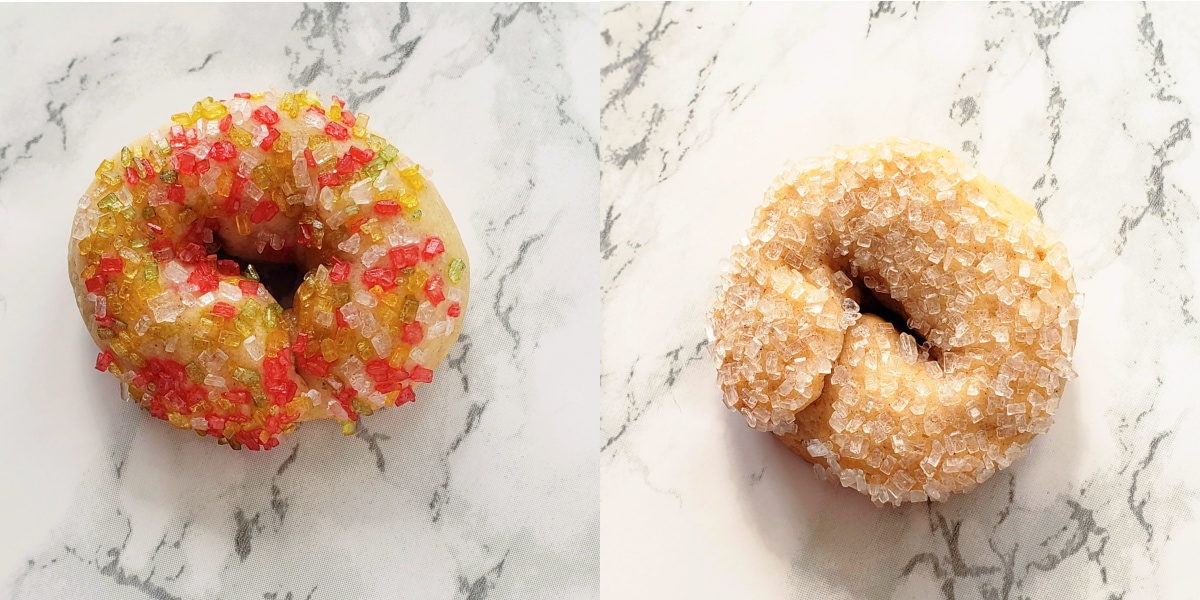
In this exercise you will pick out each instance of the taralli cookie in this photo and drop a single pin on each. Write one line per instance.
(266, 260)
(983, 294)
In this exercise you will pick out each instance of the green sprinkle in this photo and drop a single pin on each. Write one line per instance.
(375, 167)
(455, 271)
(109, 202)
(150, 270)
(138, 243)
(148, 213)
(251, 273)
(416, 216)
(104, 333)
(126, 157)
(168, 176)
(246, 376)
(271, 319)
(389, 153)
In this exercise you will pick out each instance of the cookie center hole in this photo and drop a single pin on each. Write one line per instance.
(280, 278)
(873, 305)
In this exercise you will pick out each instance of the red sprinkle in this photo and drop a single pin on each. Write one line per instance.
(387, 207)
(309, 158)
(378, 369)
(269, 141)
(340, 271)
(433, 290)
(406, 395)
(315, 366)
(265, 115)
(341, 320)
(330, 179)
(264, 211)
(161, 250)
(454, 310)
(177, 137)
(224, 309)
(412, 334)
(191, 137)
(215, 424)
(348, 118)
(203, 166)
(111, 264)
(228, 268)
(304, 234)
(346, 165)
(249, 287)
(242, 95)
(176, 193)
(433, 247)
(104, 359)
(360, 155)
(405, 256)
(238, 186)
(337, 131)
(238, 396)
(131, 175)
(95, 284)
(301, 343)
(380, 276)
(422, 374)
(225, 123)
(185, 162)
(223, 151)
(204, 277)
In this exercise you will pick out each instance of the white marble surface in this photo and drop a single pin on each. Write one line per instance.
(1086, 110)
(485, 488)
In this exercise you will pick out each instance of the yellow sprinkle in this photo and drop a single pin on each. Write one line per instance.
(184, 119)
(230, 339)
(364, 350)
(224, 184)
(329, 350)
(240, 137)
(397, 358)
(243, 224)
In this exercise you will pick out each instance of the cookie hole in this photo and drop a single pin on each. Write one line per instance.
(872, 304)
(280, 278)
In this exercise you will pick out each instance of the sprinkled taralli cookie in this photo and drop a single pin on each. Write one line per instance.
(267, 260)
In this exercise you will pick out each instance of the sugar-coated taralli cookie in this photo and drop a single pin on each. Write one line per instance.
(902, 229)
(180, 258)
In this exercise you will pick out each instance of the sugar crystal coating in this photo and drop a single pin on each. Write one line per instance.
(971, 269)
(268, 177)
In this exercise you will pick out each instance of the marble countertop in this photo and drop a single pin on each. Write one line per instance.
(1086, 110)
(485, 488)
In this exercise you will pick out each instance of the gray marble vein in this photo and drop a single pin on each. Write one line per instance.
(1083, 109)
(486, 486)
